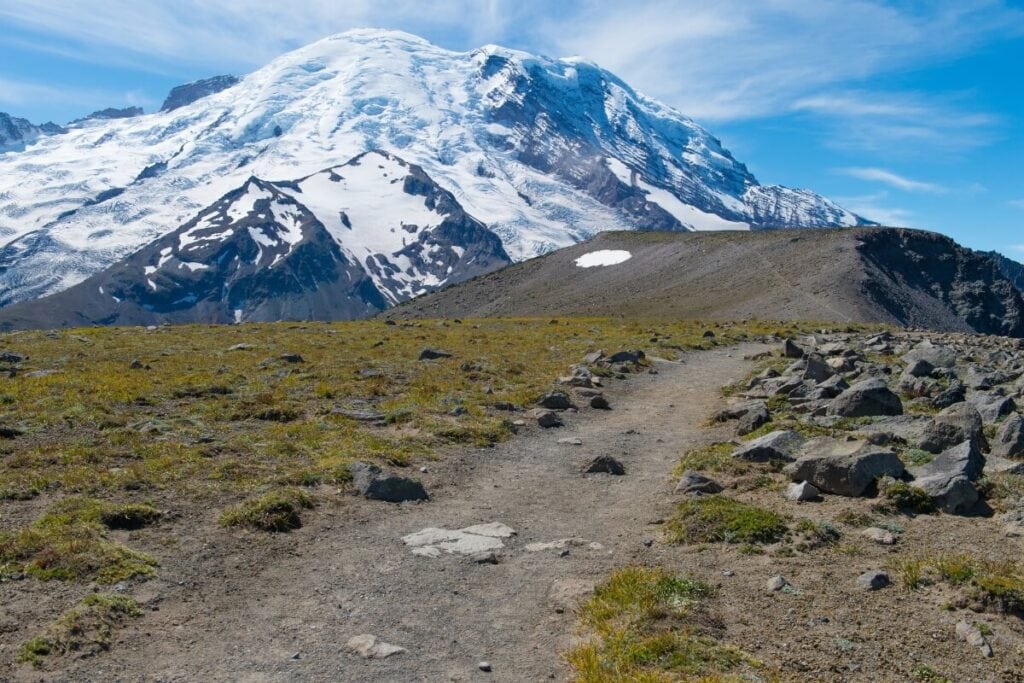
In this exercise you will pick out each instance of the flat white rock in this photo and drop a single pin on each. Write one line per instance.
(369, 647)
(479, 538)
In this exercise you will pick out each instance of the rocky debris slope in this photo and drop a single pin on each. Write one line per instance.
(895, 276)
(934, 415)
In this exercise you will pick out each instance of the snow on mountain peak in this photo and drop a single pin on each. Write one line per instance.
(545, 152)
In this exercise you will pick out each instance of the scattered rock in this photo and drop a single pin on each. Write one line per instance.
(11, 357)
(790, 349)
(802, 491)
(867, 398)
(433, 354)
(241, 347)
(485, 557)
(360, 415)
(470, 541)
(571, 441)
(484, 666)
(817, 370)
(965, 458)
(873, 580)
(695, 483)
(778, 445)
(599, 402)
(955, 424)
(548, 419)
(954, 394)
(555, 400)
(776, 584)
(373, 483)
(844, 468)
(919, 367)
(754, 418)
(605, 464)
(369, 647)
(291, 358)
(1009, 442)
(879, 536)
(972, 635)
(626, 357)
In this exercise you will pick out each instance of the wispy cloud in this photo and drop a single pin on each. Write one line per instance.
(1016, 203)
(15, 93)
(877, 207)
(886, 177)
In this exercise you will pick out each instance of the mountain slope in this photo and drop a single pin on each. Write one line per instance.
(1011, 270)
(545, 152)
(343, 243)
(903, 277)
(16, 134)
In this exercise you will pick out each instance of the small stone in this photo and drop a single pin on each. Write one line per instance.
(564, 552)
(369, 647)
(776, 584)
(695, 483)
(728, 572)
(548, 419)
(604, 464)
(873, 580)
(599, 402)
(879, 536)
(291, 358)
(571, 441)
(803, 491)
(972, 635)
(434, 354)
(484, 666)
(487, 557)
(555, 400)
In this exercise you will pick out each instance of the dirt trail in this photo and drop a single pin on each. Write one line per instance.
(283, 608)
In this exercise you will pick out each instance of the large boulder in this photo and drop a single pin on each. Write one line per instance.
(958, 423)
(816, 369)
(756, 417)
(867, 398)
(790, 349)
(954, 393)
(778, 445)
(845, 468)
(1009, 442)
(374, 483)
(964, 458)
(993, 406)
(938, 356)
(949, 478)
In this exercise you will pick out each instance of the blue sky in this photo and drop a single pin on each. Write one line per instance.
(910, 113)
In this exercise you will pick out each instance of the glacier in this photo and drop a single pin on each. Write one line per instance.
(545, 152)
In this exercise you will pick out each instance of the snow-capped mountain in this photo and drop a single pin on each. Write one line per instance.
(16, 133)
(346, 242)
(545, 152)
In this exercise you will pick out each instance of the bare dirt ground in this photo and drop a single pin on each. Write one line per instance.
(240, 606)
(247, 607)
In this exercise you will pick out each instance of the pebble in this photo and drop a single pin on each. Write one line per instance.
(728, 572)
(484, 666)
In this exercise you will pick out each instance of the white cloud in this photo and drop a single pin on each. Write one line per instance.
(876, 207)
(881, 175)
(18, 93)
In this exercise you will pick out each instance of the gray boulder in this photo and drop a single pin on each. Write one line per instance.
(965, 458)
(873, 580)
(374, 483)
(548, 419)
(993, 406)
(790, 349)
(434, 354)
(955, 393)
(867, 398)
(938, 356)
(919, 367)
(956, 424)
(694, 483)
(817, 370)
(778, 445)
(556, 400)
(799, 492)
(604, 464)
(845, 468)
(756, 417)
(953, 493)
(1009, 442)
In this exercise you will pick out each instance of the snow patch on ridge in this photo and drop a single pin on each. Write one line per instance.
(603, 257)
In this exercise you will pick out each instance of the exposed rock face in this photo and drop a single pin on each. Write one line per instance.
(263, 252)
(111, 113)
(16, 133)
(188, 93)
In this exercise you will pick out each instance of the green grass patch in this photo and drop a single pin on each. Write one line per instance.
(718, 519)
(82, 631)
(996, 585)
(71, 541)
(716, 457)
(646, 627)
(274, 511)
(905, 497)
